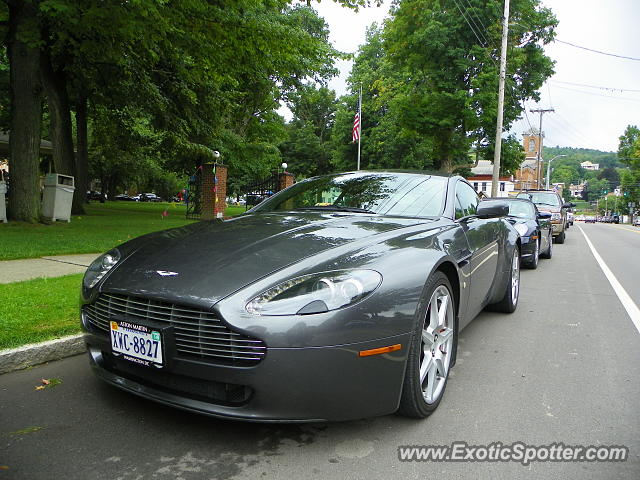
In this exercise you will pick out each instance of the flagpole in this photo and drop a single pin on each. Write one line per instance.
(360, 125)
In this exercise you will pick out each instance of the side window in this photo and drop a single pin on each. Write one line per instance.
(466, 200)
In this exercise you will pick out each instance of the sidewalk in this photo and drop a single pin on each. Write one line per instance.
(55, 266)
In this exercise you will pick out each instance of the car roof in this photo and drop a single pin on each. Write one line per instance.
(509, 199)
(408, 173)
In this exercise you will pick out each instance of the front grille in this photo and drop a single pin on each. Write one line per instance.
(198, 333)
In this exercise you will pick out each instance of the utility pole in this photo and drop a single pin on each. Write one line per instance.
(503, 68)
(541, 111)
(549, 169)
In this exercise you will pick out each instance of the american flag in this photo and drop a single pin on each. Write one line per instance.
(356, 127)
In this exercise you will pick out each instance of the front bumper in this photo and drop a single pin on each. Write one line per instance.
(289, 385)
(527, 247)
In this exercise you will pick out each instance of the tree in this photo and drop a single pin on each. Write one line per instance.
(386, 143)
(611, 175)
(629, 154)
(307, 149)
(25, 110)
(199, 75)
(451, 69)
(629, 147)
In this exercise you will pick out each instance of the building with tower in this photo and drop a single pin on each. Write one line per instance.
(531, 172)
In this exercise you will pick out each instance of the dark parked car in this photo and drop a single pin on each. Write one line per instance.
(124, 198)
(338, 298)
(534, 227)
(93, 195)
(149, 197)
(550, 201)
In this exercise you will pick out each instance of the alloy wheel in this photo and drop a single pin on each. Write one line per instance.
(515, 276)
(437, 344)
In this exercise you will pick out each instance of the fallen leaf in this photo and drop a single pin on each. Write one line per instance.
(4, 467)
(48, 382)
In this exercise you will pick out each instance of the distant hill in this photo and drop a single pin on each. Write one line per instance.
(605, 159)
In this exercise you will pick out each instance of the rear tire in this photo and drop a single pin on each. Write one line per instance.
(560, 238)
(509, 301)
(432, 350)
(549, 251)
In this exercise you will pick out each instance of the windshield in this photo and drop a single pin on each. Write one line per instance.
(521, 209)
(380, 193)
(545, 198)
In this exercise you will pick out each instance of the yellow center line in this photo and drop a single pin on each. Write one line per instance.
(636, 230)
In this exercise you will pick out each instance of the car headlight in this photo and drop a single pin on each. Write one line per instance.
(521, 228)
(316, 293)
(556, 216)
(100, 267)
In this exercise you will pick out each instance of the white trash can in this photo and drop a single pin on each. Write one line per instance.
(3, 206)
(57, 197)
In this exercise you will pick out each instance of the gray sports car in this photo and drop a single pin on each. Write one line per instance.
(338, 298)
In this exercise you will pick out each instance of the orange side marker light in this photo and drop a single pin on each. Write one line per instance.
(378, 351)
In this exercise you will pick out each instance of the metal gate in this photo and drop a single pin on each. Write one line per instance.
(259, 190)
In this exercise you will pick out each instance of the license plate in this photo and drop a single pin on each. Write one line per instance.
(137, 343)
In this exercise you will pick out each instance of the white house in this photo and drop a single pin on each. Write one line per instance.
(590, 166)
(482, 180)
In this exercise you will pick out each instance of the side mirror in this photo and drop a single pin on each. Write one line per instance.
(492, 209)
(546, 215)
(567, 205)
(572, 204)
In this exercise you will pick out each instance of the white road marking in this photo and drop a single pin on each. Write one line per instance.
(629, 305)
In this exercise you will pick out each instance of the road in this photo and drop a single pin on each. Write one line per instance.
(565, 367)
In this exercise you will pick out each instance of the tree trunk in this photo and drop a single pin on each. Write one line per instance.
(26, 113)
(82, 157)
(55, 87)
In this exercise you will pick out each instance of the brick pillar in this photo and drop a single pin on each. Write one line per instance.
(221, 190)
(207, 192)
(214, 191)
(285, 179)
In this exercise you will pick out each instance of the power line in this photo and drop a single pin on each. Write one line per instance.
(600, 95)
(598, 51)
(613, 89)
(479, 20)
(483, 44)
(566, 133)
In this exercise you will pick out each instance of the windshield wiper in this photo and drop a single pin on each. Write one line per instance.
(543, 203)
(336, 208)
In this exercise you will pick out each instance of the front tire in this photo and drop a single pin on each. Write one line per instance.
(509, 301)
(432, 349)
(533, 262)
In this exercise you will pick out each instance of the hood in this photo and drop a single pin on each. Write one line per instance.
(207, 261)
(548, 208)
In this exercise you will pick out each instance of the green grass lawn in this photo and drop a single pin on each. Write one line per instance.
(103, 227)
(38, 310)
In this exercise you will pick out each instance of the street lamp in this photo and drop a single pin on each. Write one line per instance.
(549, 168)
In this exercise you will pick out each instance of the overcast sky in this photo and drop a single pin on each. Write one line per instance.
(584, 116)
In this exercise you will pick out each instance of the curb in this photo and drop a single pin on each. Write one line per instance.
(37, 353)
